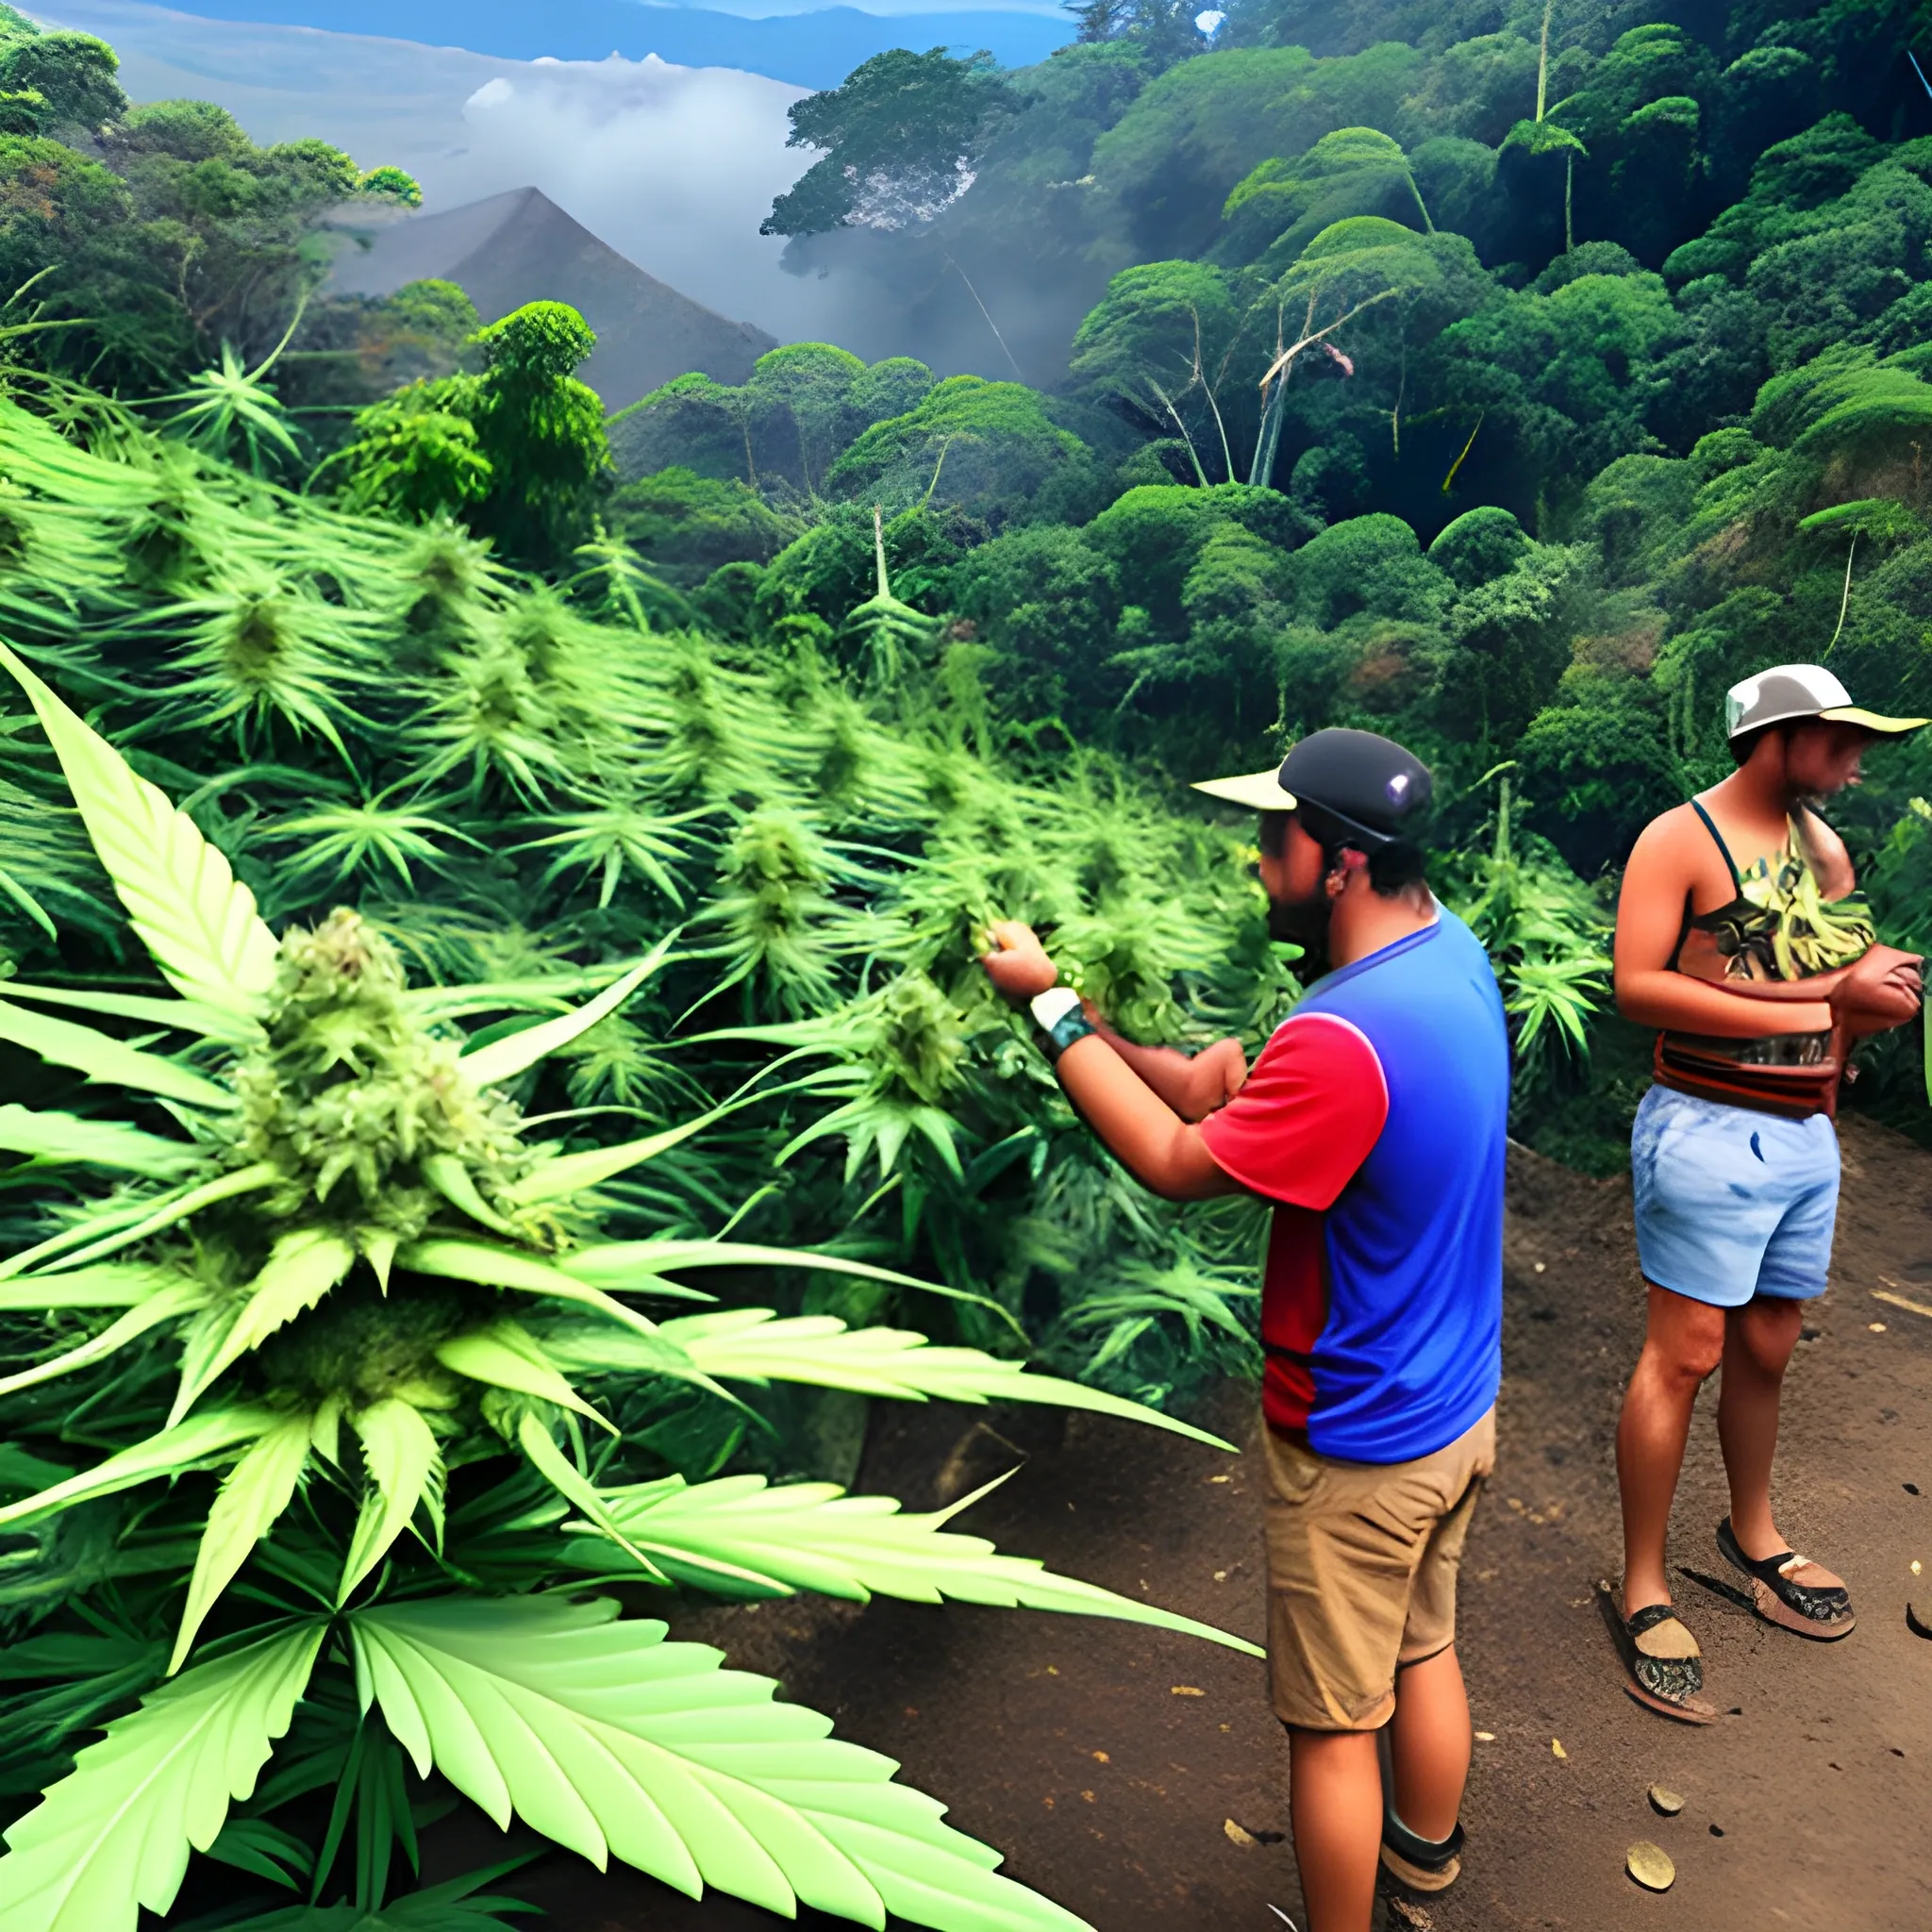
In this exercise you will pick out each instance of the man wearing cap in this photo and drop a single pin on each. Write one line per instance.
(1374, 1122)
(1742, 938)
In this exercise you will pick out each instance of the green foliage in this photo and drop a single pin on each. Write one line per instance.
(1282, 206)
(414, 459)
(899, 138)
(1160, 340)
(1195, 133)
(391, 184)
(519, 452)
(802, 405)
(387, 1235)
(73, 74)
(164, 234)
(989, 447)
(1546, 936)
(1567, 375)
(688, 526)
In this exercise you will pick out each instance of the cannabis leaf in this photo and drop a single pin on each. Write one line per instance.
(195, 917)
(611, 1741)
(115, 1834)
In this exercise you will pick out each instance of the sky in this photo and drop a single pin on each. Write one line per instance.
(810, 43)
(674, 167)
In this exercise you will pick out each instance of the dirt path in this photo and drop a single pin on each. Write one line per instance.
(1106, 1760)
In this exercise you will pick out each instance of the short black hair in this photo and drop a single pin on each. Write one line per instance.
(1274, 836)
(1394, 866)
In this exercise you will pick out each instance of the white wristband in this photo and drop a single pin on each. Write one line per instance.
(1052, 1006)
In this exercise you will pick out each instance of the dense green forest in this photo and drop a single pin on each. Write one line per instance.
(479, 880)
(1512, 379)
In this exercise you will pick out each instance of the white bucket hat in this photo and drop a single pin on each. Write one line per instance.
(1801, 690)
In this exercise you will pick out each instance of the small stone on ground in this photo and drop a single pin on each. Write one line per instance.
(1651, 1866)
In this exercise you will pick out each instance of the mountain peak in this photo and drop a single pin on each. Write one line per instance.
(519, 246)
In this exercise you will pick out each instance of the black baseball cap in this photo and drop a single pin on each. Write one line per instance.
(1373, 789)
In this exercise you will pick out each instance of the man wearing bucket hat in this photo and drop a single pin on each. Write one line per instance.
(1374, 1121)
(1742, 938)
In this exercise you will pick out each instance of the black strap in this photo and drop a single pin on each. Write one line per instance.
(1430, 1854)
(1710, 826)
(1641, 1621)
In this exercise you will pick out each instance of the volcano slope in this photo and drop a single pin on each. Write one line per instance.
(1139, 1779)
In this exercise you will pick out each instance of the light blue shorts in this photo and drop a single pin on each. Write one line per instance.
(1730, 1202)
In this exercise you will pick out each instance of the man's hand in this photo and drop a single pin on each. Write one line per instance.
(1018, 965)
(1880, 991)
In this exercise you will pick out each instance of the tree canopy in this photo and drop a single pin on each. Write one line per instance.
(898, 141)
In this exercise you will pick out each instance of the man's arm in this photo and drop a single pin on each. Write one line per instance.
(1137, 1114)
(1141, 1130)
(1193, 1085)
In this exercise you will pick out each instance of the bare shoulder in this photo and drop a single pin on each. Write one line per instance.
(1670, 843)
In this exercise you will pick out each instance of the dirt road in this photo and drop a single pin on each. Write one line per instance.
(1108, 1762)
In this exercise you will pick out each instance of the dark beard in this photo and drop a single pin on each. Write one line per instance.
(1303, 923)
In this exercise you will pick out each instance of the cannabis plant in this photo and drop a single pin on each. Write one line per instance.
(508, 778)
(309, 1447)
(1546, 936)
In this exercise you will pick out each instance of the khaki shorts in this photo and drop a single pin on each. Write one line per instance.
(1361, 1572)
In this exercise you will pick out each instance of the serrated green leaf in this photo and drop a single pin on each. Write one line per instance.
(96, 1056)
(251, 1495)
(118, 1285)
(619, 1264)
(494, 1267)
(452, 1179)
(12, 888)
(504, 1059)
(115, 1833)
(138, 1221)
(179, 1296)
(183, 1016)
(196, 919)
(610, 1741)
(405, 1467)
(570, 1482)
(565, 1174)
(813, 1536)
(67, 1137)
(202, 1439)
(302, 1267)
(754, 1345)
(507, 1356)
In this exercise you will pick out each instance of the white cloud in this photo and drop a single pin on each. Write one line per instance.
(675, 167)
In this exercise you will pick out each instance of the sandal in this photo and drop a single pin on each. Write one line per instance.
(1420, 1863)
(1823, 1611)
(1661, 1662)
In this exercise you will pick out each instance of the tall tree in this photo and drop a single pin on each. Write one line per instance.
(899, 141)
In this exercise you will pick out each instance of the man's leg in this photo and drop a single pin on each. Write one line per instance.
(1759, 1340)
(1429, 1744)
(1683, 1343)
(1760, 1336)
(1334, 1805)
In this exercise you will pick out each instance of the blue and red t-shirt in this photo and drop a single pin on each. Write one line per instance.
(1375, 1119)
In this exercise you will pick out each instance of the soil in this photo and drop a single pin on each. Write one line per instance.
(1115, 1766)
